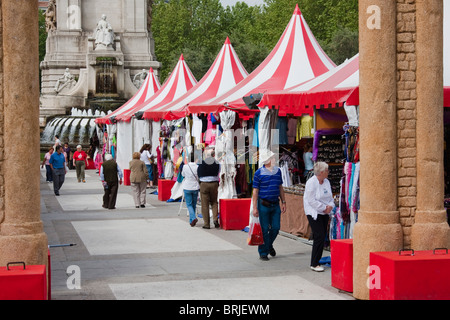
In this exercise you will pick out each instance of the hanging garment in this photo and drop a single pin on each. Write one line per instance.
(255, 141)
(305, 127)
(282, 127)
(264, 129)
(210, 135)
(168, 170)
(159, 161)
(291, 130)
(287, 181)
(196, 129)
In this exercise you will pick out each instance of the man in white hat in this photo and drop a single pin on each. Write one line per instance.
(267, 193)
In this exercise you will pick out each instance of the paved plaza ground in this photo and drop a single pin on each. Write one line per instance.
(153, 253)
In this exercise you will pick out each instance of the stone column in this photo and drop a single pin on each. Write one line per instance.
(430, 229)
(21, 232)
(378, 227)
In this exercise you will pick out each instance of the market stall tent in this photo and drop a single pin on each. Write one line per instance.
(296, 58)
(225, 72)
(331, 89)
(341, 85)
(150, 86)
(133, 133)
(179, 82)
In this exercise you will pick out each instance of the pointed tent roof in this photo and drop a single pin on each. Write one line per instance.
(332, 88)
(148, 88)
(446, 54)
(225, 72)
(296, 58)
(179, 82)
(342, 85)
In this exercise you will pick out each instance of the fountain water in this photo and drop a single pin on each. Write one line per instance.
(76, 128)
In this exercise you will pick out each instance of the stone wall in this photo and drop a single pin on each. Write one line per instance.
(406, 115)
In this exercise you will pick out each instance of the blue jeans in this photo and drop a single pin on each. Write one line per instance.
(49, 173)
(269, 218)
(191, 203)
(150, 171)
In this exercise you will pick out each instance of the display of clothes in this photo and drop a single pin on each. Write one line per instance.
(345, 216)
(305, 126)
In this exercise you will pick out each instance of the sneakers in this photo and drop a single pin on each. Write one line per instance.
(317, 268)
(194, 222)
(264, 258)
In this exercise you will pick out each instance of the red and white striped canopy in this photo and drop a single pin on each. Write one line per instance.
(296, 58)
(341, 85)
(179, 82)
(148, 89)
(225, 73)
(330, 89)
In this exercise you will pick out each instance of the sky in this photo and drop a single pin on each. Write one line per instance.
(249, 2)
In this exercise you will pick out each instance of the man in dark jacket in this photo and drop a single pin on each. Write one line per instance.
(111, 176)
(208, 173)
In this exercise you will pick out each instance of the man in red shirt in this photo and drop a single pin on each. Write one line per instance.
(79, 161)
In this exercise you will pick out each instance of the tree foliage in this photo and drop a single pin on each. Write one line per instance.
(198, 29)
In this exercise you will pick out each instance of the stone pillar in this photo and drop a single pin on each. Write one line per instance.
(21, 232)
(378, 227)
(430, 229)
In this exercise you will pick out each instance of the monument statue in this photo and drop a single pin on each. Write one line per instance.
(139, 78)
(104, 35)
(66, 81)
(50, 16)
(105, 43)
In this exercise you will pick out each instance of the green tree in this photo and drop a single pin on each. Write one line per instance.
(42, 39)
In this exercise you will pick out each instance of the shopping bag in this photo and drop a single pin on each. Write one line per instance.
(255, 236)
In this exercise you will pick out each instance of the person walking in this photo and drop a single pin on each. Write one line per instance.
(318, 203)
(57, 142)
(267, 193)
(111, 176)
(146, 156)
(58, 164)
(138, 179)
(208, 174)
(68, 152)
(191, 187)
(48, 168)
(79, 162)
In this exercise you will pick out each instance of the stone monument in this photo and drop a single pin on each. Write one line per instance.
(95, 51)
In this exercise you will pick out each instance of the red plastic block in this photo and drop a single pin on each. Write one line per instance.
(341, 252)
(410, 275)
(234, 213)
(165, 189)
(126, 177)
(20, 282)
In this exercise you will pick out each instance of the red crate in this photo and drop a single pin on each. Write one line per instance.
(341, 252)
(126, 177)
(20, 282)
(49, 272)
(234, 213)
(165, 189)
(410, 275)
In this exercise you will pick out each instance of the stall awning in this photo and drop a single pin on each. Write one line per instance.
(146, 91)
(330, 89)
(225, 72)
(179, 82)
(296, 58)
